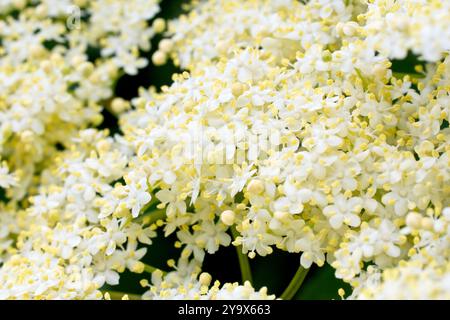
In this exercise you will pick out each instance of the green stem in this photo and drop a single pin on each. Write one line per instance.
(154, 216)
(363, 79)
(117, 295)
(151, 269)
(400, 75)
(149, 209)
(244, 264)
(295, 284)
(150, 204)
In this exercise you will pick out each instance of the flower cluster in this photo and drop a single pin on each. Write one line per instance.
(51, 85)
(425, 275)
(54, 83)
(67, 240)
(213, 29)
(290, 129)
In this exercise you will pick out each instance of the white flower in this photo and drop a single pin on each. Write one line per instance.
(137, 196)
(6, 179)
(133, 256)
(344, 211)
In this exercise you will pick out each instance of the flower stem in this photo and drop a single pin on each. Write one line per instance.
(400, 75)
(150, 204)
(363, 79)
(151, 216)
(151, 269)
(244, 264)
(116, 295)
(295, 284)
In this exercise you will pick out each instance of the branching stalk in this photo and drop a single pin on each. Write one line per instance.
(244, 264)
(295, 284)
(117, 295)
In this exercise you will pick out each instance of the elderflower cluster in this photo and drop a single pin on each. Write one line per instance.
(54, 83)
(426, 275)
(64, 232)
(213, 28)
(394, 27)
(51, 87)
(289, 129)
(323, 153)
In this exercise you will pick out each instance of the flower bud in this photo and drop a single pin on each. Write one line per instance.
(205, 279)
(159, 58)
(413, 220)
(159, 25)
(227, 217)
(237, 89)
(255, 187)
(166, 45)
